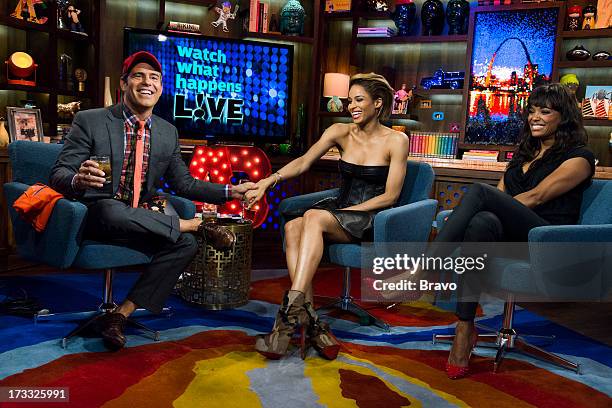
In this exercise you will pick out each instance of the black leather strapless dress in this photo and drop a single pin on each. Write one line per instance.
(359, 184)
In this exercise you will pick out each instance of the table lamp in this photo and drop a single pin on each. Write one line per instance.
(335, 86)
(21, 69)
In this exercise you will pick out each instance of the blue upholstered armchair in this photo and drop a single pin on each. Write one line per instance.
(550, 274)
(61, 244)
(409, 221)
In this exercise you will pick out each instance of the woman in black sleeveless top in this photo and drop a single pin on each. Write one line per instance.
(372, 167)
(543, 185)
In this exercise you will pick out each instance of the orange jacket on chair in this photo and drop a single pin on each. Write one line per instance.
(36, 204)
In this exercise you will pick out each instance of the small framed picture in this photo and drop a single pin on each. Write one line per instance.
(24, 124)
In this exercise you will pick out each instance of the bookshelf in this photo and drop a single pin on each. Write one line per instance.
(410, 58)
(46, 43)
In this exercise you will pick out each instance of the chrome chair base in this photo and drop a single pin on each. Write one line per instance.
(345, 302)
(107, 306)
(506, 339)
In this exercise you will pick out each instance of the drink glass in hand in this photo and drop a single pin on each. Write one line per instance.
(209, 212)
(104, 164)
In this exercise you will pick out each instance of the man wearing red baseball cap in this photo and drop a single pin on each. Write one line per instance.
(143, 149)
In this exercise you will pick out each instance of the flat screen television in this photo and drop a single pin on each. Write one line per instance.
(220, 89)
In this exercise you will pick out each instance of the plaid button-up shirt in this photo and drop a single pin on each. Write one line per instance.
(126, 182)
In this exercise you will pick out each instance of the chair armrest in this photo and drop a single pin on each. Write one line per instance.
(184, 207)
(59, 243)
(406, 223)
(572, 262)
(572, 233)
(441, 219)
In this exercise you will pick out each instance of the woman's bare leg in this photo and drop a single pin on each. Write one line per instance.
(293, 234)
(316, 225)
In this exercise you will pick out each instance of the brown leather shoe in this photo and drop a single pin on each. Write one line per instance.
(218, 236)
(111, 329)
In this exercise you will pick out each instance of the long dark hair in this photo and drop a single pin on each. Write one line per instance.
(570, 132)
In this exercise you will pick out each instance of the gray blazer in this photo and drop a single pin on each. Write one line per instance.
(101, 132)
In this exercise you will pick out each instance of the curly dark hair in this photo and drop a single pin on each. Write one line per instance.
(570, 133)
(378, 87)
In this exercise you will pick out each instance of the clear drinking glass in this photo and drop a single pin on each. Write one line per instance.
(104, 164)
(209, 212)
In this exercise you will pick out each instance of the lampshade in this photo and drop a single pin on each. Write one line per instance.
(335, 84)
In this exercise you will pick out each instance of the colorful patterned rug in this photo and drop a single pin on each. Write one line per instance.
(206, 359)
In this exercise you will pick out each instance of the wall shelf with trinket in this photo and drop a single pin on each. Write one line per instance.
(67, 42)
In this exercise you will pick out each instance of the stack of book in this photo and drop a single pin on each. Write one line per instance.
(432, 144)
(259, 16)
(481, 155)
(365, 32)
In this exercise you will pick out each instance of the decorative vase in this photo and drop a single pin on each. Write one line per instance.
(578, 53)
(108, 98)
(601, 56)
(292, 17)
(457, 13)
(334, 104)
(432, 17)
(403, 16)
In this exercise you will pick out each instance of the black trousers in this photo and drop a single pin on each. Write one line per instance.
(152, 233)
(487, 214)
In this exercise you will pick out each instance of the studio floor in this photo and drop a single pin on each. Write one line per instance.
(206, 358)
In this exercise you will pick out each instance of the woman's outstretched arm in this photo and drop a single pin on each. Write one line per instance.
(300, 165)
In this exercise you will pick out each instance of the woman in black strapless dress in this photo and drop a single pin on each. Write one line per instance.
(359, 183)
(372, 167)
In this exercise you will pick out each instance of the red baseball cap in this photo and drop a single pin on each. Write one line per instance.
(138, 57)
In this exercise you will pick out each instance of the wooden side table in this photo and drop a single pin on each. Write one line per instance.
(219, 280)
